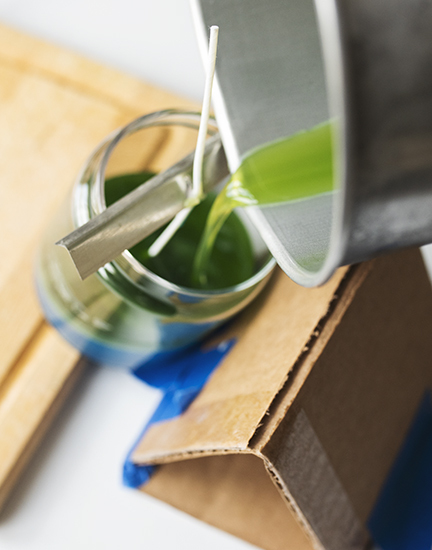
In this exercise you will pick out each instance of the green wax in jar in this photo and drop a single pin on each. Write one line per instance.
(212, 249)
(285, 170)
(230, 262)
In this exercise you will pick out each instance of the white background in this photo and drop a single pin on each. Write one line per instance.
(71, 497)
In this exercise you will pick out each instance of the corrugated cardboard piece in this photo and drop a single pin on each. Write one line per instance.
(289, 443)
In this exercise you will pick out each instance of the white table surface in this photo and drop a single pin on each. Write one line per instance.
(71, 496)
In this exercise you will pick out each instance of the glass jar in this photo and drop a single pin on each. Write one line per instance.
(124, 313)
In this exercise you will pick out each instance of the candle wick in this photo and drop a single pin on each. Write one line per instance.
(197, 188)
(197, 179)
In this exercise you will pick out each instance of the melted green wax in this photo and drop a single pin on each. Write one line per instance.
(230, 261)
(285, 170)
(212, 249)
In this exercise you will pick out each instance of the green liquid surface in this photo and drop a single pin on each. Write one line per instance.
(212, 249)
(231, 260)
(285, 170)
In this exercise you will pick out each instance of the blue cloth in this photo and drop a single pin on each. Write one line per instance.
(402, 516)
(180, 376)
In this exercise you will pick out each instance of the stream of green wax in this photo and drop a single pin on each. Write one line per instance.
(285, 170)
(212, 249)
(230, 262)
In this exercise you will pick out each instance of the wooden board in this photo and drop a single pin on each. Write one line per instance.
(54, 107)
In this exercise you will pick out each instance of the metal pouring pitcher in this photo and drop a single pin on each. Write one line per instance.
(284, 66)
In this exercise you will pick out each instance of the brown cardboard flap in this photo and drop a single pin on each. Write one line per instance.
(234, 493)
(367, 383)
(345, 385)
(234, 402)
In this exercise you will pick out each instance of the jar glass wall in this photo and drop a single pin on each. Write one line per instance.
(125, 313)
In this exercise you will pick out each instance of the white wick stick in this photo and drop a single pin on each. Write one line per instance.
(197, 191)
(197, 184)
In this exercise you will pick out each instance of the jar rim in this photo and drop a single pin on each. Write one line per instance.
(126, 262)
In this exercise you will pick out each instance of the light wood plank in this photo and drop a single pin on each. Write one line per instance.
(55, 107)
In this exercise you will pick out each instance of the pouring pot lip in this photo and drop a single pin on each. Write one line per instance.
(335, 65)
(328, 25)
(335, 70)
(126, 263)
